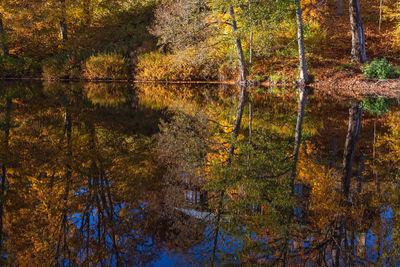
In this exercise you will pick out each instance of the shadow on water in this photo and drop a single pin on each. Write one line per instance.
(116, 175)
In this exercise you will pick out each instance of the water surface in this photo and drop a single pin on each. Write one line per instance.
(150, 175)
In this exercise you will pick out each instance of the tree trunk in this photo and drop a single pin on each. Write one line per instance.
(339, 7)
(380, 14)
(3, 45)
(358, 52)
(303, 79)
(239, 49)
(63, 23)
(355, 117)
(251, 39)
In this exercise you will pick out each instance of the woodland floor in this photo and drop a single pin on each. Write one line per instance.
(334, 72)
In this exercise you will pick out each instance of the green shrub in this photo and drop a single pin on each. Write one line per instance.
(377, 106)
(17, 67)
(106, 66)
(379, 68)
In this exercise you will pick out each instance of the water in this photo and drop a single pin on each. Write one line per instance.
(122, 175)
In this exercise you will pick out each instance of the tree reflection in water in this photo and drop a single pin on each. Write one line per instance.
(114, 175)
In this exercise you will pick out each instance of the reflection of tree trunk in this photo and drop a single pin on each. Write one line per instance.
(340, 236)
(299, 126)
(250, 134)
(3, 165)
(360, 176)
(236, 128)
(64, 230)
(300, 40)
(238, 121)
(355, 117)
(100, 196)
(242, 62)
(357, 33)
(3, 41)
(133, 98)
(361, 243)
(339, 7)
(333, 153)
(374, 170)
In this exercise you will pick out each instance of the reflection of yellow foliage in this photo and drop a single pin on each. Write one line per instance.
(324, 196)
(389, 144)
(106, 94)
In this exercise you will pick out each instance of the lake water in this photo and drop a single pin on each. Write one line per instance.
(152, 175)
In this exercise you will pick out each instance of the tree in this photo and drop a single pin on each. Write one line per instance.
(303, 77)
(3, 41)
(63, 23)
(358, 52)
(303, 91)
(239, 49)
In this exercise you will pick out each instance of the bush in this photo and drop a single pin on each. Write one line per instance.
(17, 67)
(64, 66)
(377, 106)
(106, 66)
(174, 67)
(379, 68)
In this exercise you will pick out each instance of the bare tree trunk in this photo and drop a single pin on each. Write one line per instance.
(303, 79)
(339, 7)
(3, 45)
(358, 52)
(239, 49)
(251, 39)
(355, 117)
(63, 23)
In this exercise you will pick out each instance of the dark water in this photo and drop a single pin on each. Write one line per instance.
(154, 175)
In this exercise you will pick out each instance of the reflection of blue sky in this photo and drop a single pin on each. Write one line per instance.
(229, 245)
(201, 255)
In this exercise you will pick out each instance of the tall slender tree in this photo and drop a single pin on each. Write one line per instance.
(63, 22)
(239, 49)
(302, 82)
(358, 52)
(3, 41)
(303, 77)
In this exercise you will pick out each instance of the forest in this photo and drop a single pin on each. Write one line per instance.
(217, 40)
(199, 133)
